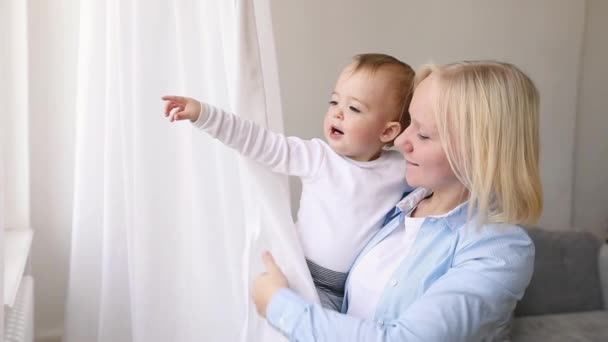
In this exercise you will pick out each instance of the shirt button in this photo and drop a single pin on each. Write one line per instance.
(394, 283)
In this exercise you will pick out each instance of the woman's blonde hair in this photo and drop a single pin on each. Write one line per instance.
(487, 116)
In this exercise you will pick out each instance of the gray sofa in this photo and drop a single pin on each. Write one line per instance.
(567, 299)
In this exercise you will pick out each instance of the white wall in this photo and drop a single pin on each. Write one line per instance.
(590, 204)
(52, 38)
(315, 38)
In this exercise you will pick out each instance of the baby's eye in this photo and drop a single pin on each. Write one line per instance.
(333, 103)
(422, 137)
(354, 109)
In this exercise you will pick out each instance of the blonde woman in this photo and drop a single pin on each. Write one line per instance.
(451, 262)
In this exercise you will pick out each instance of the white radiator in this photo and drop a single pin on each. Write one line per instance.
(19, 320)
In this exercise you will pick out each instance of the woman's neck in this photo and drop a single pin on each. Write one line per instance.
(442, 201)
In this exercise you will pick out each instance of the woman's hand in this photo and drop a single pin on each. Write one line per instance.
(187, 108)
(267, 283)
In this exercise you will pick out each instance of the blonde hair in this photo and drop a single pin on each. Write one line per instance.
(487, 115)
(402, 75)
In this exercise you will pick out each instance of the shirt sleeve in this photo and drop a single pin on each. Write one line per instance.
(467, 303)
(288, 155)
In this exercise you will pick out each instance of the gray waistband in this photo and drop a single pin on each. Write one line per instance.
(327, 280)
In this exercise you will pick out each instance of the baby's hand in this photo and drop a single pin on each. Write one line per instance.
(186, 108)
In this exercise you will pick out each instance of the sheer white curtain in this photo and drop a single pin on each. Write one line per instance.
(14, 115)
(169, 224)
(14, 166)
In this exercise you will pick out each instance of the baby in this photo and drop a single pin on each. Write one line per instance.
(348, 180)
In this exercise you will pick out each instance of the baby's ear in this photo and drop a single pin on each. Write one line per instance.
(391, 131)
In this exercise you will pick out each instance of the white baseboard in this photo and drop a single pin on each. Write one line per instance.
(50, 336)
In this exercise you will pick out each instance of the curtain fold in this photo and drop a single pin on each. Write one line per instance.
(14, 162)
(168, 224)
(14, 116)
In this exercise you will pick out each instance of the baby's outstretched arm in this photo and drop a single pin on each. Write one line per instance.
(181, 108)
(287, 155)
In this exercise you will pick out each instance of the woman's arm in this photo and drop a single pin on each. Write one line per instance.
(488, 277)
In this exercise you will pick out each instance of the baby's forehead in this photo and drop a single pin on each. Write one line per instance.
(369, 70)
(378, 77)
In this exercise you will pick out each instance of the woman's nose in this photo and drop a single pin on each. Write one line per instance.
(409, 148)
(403, 143)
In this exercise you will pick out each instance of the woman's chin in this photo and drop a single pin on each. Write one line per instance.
(412, 181)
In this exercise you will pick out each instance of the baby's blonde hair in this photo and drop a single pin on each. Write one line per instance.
(487, 115)
(402, 78)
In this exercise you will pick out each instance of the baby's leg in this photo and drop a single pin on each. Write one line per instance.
(330, 285)
(329, 300)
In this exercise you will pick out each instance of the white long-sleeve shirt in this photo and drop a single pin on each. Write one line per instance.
(343, 201)
(370, 276)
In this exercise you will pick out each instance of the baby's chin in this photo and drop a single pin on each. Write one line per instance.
(339, 149)
(336, 147)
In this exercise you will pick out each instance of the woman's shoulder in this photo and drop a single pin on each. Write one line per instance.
(497, 239)
(472, 229)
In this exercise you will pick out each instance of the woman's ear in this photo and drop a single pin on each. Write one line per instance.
(391, 131)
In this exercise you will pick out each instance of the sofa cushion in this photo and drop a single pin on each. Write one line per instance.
(573, 327)
(565, 275)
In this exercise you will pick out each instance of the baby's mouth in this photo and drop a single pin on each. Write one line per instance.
(334, 130)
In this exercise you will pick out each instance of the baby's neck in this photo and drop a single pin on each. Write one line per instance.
(366, 158)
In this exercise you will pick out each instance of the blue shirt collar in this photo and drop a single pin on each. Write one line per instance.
(454, 219)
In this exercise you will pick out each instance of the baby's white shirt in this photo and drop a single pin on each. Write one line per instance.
(343, 201)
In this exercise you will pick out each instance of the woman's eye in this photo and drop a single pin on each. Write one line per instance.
(354, 109)
(422, 137)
